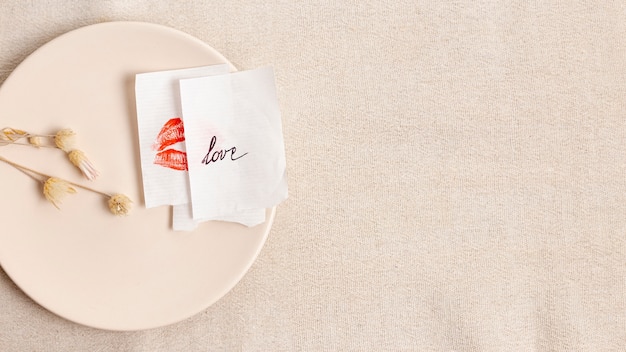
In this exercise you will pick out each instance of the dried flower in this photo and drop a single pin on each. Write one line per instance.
(119, 204)
(65, 140)
(55, 189)
(13, 136)
(35, 141)
(9, 135)
(79, 160)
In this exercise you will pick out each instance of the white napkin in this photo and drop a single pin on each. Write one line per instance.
(234, 143)
(231, 184)
(162, 151)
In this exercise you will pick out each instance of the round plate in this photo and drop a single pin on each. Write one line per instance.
(81, 262)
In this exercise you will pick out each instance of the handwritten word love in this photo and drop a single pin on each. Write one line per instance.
(220, 154)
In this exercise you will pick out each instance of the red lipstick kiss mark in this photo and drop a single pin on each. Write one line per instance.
(174, 159)
(172, 132)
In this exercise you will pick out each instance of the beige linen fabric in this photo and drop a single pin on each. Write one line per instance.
(456, 171)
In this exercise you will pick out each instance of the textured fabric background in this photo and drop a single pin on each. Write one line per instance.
(457, 176)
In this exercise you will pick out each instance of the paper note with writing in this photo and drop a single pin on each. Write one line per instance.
(182, 219)
(161, 134)
(234, 141)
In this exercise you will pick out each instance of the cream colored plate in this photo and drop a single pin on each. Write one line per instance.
(82, 262)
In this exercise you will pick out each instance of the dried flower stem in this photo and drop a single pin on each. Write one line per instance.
(11, 136)
(30, 145)
(64, 139)
(27, 169)
(25, 172)
(55, 189)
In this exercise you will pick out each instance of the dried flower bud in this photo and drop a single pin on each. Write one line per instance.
(9, 135)
(119, 204)
(35, 141)
(79, 160)
(65, 140)
(55, 189)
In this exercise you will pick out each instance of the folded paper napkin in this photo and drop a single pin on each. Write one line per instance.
(211, 144)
